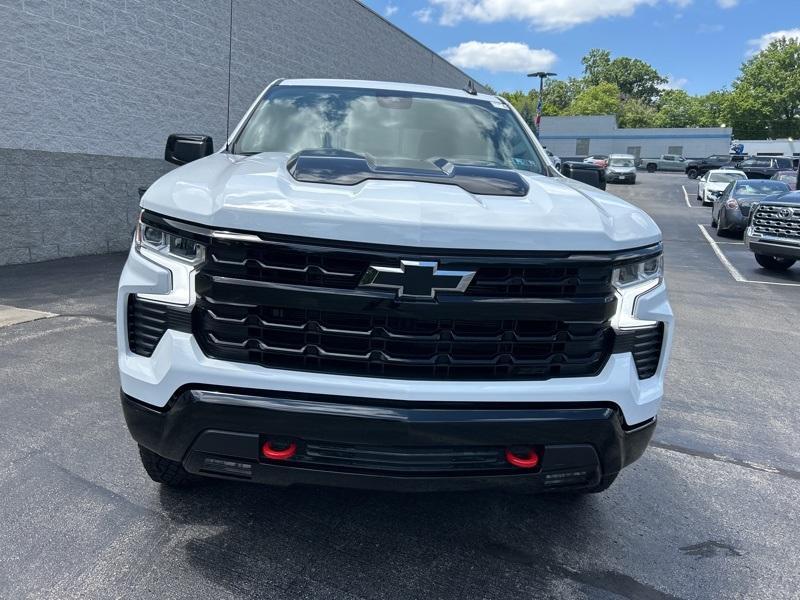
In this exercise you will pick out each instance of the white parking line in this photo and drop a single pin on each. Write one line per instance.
(733, 270)
(722, 258)
(686, 196)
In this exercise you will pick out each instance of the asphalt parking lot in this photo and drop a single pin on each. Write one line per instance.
(710, 511)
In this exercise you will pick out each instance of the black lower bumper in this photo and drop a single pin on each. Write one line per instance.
(377, 444)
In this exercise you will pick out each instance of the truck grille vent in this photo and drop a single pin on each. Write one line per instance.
(645, 345)
(402, 460)
(318, 266)
(147, 322)
(400, 347)
(767, 221)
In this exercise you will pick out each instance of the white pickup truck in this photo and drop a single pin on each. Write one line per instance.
(384, 285)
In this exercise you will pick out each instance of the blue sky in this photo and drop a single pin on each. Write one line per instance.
(699, 44)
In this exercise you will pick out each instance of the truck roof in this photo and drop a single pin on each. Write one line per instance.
(389, 86)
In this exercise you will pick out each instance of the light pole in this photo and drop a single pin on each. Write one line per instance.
(541, 75)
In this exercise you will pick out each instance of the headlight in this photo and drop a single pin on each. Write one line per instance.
(180, 255)
(731, 203)
(716, 193)
(168, 244)
(631, 281)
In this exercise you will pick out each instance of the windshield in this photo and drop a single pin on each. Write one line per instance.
(621, 162)
(760, 188)
(725, 177)
(391, 127)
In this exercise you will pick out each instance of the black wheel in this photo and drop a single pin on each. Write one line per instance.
(692, 173)
(774, 263)
(713, 220)
(164, 470)
(651, 168)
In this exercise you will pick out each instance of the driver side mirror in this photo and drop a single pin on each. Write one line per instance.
(183, 148)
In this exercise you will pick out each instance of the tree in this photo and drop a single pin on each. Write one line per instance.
(635, 113)
(600, 99)
(634, 78)
(765, 99)
(712, 109)
(676, 108)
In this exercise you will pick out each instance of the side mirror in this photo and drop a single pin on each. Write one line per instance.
(588, 173)
(183, 148)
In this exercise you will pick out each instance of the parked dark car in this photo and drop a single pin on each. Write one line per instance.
(696, 168)
(764, 167)
(773, 233)
(788, 177)
(731, 210)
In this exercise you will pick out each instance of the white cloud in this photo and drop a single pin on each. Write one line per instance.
(762, 42)
(727, 3)
(424, 15)
(390, 9)
(500, 56)
(674, 83)
(544, 15)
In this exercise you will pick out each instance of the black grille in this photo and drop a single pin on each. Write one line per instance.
(645, 345)
(388, 346)
(147, 322)
(401, 460)
(768, 221)
(326, 267)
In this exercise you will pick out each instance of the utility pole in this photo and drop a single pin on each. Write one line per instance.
(542, 75)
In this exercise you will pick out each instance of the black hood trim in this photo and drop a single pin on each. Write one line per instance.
(338, 167)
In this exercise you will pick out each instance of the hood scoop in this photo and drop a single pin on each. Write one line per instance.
(340, 167)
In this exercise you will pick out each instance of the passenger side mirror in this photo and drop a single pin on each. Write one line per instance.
(588, 173)
(183, 148)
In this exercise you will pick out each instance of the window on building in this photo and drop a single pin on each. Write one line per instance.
(675, 150)
(582, 146)
(635, 150)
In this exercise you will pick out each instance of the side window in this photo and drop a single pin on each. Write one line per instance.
(582, 146)
(763, 162)
(750, 162)
(669, 157)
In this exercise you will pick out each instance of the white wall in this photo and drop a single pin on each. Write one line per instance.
(561, 134)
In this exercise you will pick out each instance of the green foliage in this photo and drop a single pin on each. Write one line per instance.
(600, 99)
(764, 100)
(635, 78)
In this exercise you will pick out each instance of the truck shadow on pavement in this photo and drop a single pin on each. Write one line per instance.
(355, 544)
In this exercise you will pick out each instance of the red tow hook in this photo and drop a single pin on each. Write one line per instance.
(278, 450)
(524, 458)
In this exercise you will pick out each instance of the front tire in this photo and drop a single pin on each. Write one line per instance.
(692, 173)
(651, 168)
(163, 470)
(774, 263)
(713, 220)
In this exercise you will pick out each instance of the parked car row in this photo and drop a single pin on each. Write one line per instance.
(765, 211)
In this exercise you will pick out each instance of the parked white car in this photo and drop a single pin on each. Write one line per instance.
(711, 185)
(554, 159)
(621, 167)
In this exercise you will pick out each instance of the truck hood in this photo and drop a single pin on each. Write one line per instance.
(257, 193)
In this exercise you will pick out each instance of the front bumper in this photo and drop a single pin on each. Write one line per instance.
(771, 246)
(371, 443)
